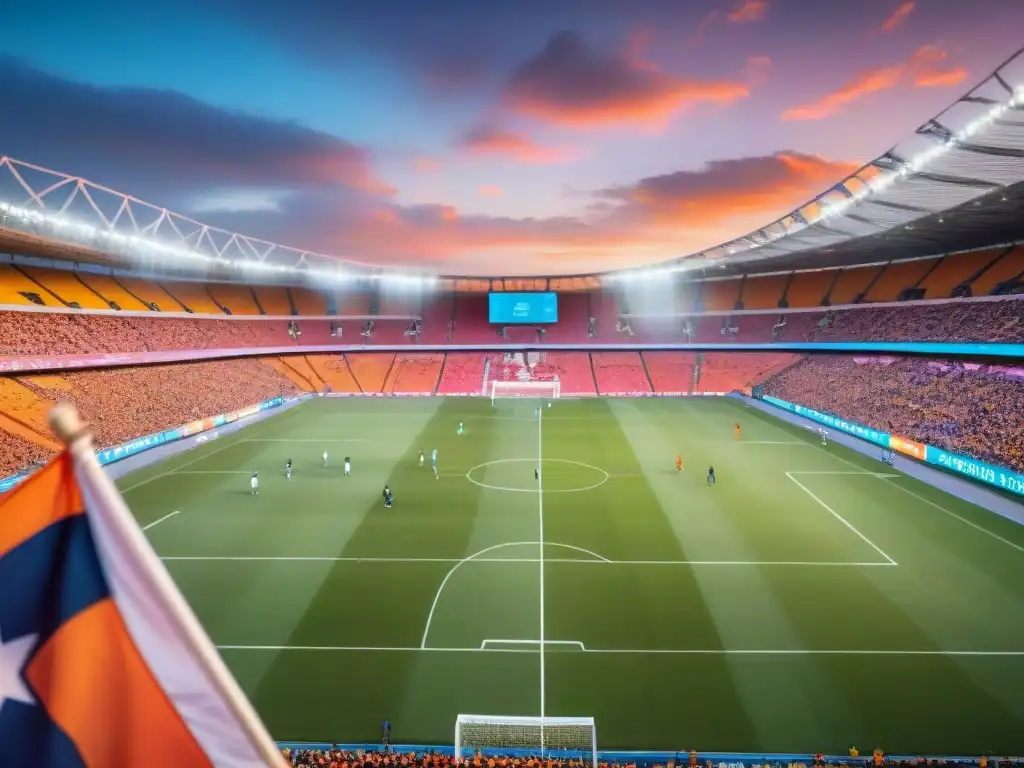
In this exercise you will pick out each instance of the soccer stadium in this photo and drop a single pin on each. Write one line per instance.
(757, 502)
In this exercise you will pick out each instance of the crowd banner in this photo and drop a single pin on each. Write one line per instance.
(124, 450)
(990, 474)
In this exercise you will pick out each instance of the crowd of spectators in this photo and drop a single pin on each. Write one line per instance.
(972, 409)
(124, 403)
(43, 333)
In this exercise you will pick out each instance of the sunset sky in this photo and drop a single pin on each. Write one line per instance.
(533, 137)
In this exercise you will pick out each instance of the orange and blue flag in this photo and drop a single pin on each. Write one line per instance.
(101, 662)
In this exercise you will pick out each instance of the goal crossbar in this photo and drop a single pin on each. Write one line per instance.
(534, 735)
(519, 389)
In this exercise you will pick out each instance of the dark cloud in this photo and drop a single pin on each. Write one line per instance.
(140, 140)
(571, 83)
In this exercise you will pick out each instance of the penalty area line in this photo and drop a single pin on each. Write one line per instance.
(157, 522)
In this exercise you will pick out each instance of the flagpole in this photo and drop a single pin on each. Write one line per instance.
(69, 427)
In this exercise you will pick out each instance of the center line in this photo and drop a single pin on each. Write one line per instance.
(540, 538)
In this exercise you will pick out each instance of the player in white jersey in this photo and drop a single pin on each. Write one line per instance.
(433, 463)
(254, 484)
(325, 459)
(462, 430)
(288, 469)
(422, 458)
(348, 466)
(824, 437)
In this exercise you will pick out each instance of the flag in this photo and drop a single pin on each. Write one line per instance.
(102, 663)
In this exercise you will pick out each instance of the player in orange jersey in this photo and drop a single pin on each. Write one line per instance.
(679, 463)
(736, 429)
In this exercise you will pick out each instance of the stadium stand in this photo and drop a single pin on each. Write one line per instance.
(572, 369)
(111, 292)
(764, 292)
(272, 300)
(150, 293)
(463, 374)
(193, 297)
(300, 364)
(471, 323)
(333, 370)
(620, 373)
(968, 408)
(573, 316)
(718, 295)
(234, 299)
(897, 278)
(67, 289)
(353, 303)
(670, 371)
(732, 371)
(371, 369)
(18, 448)
(850, 284)
(955, 270)
(808, 289)
(301, 382)
(414, 373)
(1009, 265)
(308, 302)
(17, 289)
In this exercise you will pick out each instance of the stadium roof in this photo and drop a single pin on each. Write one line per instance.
(957, 183)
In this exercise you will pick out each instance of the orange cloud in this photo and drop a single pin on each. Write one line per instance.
(762, 188)
(757, 69)
(570, 84)
(488, 141)
(921, 70)
(751, 10)
(489, 190)
(897, 17)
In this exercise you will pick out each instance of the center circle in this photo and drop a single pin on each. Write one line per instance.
(529, 475)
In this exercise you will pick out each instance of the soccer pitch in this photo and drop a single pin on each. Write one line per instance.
(812, 599)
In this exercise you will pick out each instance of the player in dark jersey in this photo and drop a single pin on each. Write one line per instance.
(388, 497)
(711, 475)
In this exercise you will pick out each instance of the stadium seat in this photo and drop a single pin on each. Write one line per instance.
(764, 292)
(14, 287)
(896, 278)
(300, 364)
(68, 288)
(437, 315)
(955, 270)
(719, 295)
(301, 383)
(471, 321)
(808, 289)
(237, 298)
(353, 303)
(671, 372)
(194, 297)
(333, 370)
(463, 374)
(110, 291)
(309, 302)
(739, 371)
(1008, 267)
(851, 283)
(414, 373)
(371, 369)
(273, 299)
(573, 370)
(150, 293)
(620, 373)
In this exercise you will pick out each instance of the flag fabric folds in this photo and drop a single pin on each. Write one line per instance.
(102, 663)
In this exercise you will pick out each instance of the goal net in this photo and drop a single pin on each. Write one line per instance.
(536, 735)
(504, 390)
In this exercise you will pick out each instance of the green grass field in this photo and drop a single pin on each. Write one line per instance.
(810, 600)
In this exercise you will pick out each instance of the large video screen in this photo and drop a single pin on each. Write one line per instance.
(508, 308)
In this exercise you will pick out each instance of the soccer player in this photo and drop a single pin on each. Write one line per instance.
(422, 459)
(254, 483)
(348, 466)
(824, 437)
(462, 430)
(711, 475)
(536, 474)
(388, 498)
(325, 459)
(433, 463)
(736, 430)
(288, 469)
(679, 463)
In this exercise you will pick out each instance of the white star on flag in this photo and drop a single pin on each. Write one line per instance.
(13, 655)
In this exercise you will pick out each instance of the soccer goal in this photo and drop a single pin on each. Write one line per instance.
(537, 735)
(504, 390)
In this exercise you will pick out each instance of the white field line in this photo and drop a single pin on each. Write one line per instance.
(504, 641)
(540, 538)
(557, 560)
(157, 522)
(205, 455)
(931, 503)
(840, 518)
(633, 651)
(305, 440)
(838, 472)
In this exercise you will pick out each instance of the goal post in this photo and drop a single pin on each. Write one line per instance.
(506, 390)
(534, 735)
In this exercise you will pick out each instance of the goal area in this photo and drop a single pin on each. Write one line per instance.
(505, 390)
(534, 735)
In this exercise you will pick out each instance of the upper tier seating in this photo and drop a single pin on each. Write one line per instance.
(967, 408)
(729, 371)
